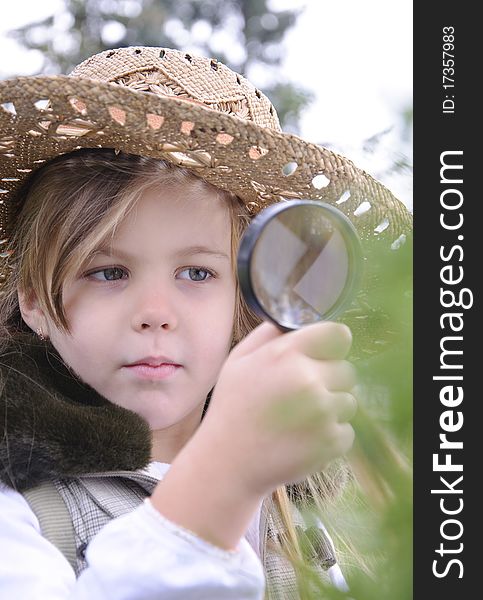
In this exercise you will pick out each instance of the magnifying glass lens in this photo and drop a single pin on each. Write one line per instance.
(301, 263)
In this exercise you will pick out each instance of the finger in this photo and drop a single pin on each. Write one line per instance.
(345, 440)
(262, 334)
(337, 375)
(337, 441)
(322, 341)
(344, 405)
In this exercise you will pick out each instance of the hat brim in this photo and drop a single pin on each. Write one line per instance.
(258, 164)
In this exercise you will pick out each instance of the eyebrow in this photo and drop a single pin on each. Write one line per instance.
(191, 250)
(182, 253)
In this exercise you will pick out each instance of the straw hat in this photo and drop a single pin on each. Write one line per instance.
(192, 111)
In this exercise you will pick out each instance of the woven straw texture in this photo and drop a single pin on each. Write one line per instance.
(228, 133)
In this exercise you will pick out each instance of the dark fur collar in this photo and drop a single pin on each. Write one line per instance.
(52, 425)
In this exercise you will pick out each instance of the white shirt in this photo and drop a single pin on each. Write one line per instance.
(138, 556)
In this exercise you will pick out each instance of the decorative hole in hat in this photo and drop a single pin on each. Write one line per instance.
(193, 112)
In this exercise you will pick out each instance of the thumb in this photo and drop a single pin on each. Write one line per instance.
(262, 334)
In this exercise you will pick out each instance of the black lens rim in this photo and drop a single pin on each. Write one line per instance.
(250, 238)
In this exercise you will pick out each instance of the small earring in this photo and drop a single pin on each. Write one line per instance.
(41, 334)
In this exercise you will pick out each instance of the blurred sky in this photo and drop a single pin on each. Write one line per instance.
(356, 56)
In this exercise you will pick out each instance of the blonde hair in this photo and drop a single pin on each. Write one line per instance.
(70, 207)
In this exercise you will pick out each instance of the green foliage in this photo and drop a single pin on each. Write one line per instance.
(373, 518)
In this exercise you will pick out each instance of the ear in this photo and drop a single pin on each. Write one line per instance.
(31, 311)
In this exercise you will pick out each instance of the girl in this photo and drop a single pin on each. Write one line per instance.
(122, 321)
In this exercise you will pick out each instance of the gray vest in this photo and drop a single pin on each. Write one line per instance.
(72, 511)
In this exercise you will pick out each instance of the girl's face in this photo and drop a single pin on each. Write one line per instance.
(162, 291)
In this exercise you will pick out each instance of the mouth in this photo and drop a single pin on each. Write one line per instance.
(153, 368)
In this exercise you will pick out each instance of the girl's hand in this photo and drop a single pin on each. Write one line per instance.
(281, 407)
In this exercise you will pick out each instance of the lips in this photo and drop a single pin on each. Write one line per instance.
(153, 368)
(154, 361)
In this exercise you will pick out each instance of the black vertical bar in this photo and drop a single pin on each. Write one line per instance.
(447, 350)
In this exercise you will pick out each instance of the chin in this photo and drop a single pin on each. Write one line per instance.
(162, 423)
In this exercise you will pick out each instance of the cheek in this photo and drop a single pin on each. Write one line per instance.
(217, 329)
(226, 313)
(89, 339)
(86, 315)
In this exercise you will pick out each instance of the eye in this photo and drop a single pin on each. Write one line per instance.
(109, 274)
(197, 274)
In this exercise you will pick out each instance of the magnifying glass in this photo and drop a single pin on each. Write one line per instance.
(299, 262)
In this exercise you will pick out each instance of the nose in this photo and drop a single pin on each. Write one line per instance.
(154, 311)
